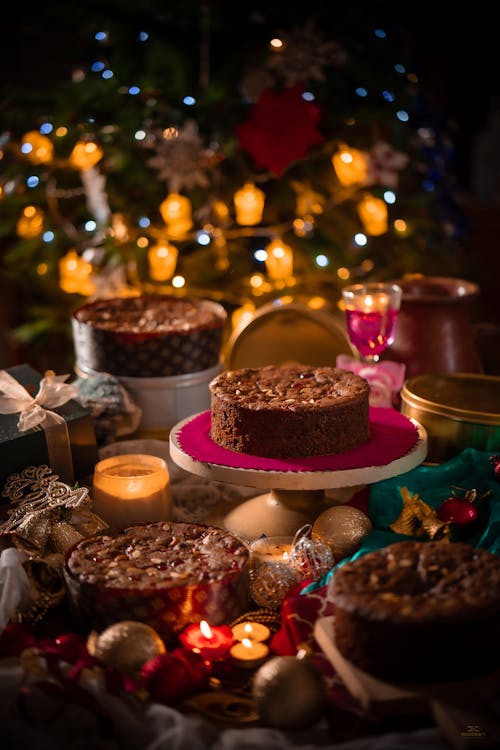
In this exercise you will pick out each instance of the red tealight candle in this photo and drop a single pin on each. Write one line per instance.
(212, 642)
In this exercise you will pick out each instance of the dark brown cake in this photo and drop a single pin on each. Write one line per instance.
(166, 574)
(148, 336)
(289, 411)
(419, 611)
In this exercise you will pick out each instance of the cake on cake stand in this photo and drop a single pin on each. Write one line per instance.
(295, 487)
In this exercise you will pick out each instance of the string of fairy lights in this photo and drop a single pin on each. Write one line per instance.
(354, 174)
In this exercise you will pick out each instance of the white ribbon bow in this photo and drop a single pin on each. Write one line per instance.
(52, 392)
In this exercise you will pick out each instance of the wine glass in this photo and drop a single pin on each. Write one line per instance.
(371, 312)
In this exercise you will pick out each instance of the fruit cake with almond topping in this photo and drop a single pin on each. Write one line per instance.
(166, 574)
(419, 611)
(289, 411)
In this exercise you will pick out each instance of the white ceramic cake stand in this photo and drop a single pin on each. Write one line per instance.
(294, 497)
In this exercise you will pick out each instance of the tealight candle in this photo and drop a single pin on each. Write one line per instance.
(249, 654)
(131, 488)
(212, 642)
(254, 631)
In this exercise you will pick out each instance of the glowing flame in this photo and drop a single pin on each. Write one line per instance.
(205, 629)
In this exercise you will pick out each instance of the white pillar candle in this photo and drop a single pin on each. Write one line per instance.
(131, 488)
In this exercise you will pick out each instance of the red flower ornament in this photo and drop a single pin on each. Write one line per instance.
(281, 129)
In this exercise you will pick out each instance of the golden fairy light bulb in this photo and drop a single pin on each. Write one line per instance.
(30, 223)
(74, 274)
(119, 227)
(37, 147)
(85, 155)
(279, 261)
(176, 212)
(373, 214)
(249, 204)
(162, 259)
(309, 202)
(351, 165)
(220, 210)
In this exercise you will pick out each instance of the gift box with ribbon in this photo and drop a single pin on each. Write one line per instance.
(42, 423)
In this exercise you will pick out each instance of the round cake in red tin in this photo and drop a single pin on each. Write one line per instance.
(165, 574)
(148, 336)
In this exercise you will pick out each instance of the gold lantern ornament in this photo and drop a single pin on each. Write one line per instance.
(373, 214)
(249, 204)
(176, 212)
(162, 259)
(85, 155)
(30, 223)
(279, 261)
(37, 147)
(75, 274)
(351, 165)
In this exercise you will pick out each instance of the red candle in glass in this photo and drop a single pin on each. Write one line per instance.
(212, 642)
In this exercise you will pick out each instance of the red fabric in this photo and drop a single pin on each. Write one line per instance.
(174, 676)
(393, 436)
(298, 615)
(280, 130)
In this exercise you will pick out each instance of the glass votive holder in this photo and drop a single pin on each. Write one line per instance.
(272, 572)
(131, 488)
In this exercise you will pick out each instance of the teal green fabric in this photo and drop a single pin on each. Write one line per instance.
(470, 469)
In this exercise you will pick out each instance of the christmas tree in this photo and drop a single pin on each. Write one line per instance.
(245, 155)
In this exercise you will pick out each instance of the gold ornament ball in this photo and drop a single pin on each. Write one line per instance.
(289, 693)
(126, 645)
(341, 527)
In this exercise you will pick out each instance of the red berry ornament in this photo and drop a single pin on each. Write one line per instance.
(495, 462)
(457, 510)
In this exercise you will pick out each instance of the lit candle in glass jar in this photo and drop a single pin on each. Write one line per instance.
(272, 550)
(131, 488)
(272, 570)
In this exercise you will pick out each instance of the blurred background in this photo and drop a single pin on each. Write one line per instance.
(251, 154)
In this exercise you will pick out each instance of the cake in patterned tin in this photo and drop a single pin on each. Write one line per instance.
(148, 336)
(289, 411)
(166, 574)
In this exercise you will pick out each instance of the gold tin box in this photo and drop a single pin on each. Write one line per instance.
(458, 410)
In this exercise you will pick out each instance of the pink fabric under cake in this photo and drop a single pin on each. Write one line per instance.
(393, 436)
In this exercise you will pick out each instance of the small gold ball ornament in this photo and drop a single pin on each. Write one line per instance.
(126, 645)
(341, 527)
(290, 693)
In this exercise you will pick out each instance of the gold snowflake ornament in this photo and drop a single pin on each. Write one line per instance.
(181, 159)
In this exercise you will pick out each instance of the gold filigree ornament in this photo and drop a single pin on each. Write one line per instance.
(45, 517)
(419, 519)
